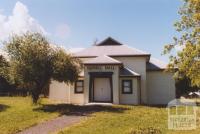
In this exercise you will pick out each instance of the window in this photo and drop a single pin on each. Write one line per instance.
(127, 87)
(79, 85)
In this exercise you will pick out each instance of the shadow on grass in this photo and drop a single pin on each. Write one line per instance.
(68, 109)
(157, 106)
(198, 103)
(3, 107)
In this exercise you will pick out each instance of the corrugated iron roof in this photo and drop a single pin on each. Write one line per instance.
(155, 64)
(104, 59)
(125, 71)
(111, 48)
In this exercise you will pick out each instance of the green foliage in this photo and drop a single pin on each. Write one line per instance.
(188, 59)
(4, 85)
(64, 67)
(4, 64)
(34, 62)
(183, 87)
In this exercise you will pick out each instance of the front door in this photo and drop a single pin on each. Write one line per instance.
(102, 90)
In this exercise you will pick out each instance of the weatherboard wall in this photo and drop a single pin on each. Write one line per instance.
(160, 87)
(137, 64)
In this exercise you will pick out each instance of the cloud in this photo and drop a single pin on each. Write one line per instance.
(20, 21)
(62, 31)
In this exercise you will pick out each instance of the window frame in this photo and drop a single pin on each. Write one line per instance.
(75, 89)
(131, 86)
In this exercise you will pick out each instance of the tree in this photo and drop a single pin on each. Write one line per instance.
(4, 64)
(183, 87)
(188, 59)
(34, 62)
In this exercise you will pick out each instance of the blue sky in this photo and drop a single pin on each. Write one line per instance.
(143, 24)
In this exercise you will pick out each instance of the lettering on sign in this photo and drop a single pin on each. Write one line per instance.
(109, 67)
(94, 67)
(101, 67)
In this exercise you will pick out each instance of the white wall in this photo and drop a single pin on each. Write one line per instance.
(65, 93)
(137, 64)
(160, 87)
(59, 91)
(130, 98)
(76, 98)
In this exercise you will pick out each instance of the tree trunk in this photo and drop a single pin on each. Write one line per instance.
(35, 95)
(39, 89)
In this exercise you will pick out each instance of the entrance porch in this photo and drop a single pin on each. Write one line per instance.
(101, 87)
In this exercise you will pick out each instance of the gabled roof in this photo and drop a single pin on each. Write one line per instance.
(155, 64)
(111, 48)
(108, 41)
(102, 60)
(125, 71)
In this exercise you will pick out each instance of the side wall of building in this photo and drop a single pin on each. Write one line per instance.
(160, 87)
(62, 92)
(59, 91)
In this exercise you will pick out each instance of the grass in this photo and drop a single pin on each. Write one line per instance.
(17, 113)
(129, 120)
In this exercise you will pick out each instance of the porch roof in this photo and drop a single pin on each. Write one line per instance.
(125, 71)
(102, 60)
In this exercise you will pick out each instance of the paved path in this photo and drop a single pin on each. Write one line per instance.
(53, 125)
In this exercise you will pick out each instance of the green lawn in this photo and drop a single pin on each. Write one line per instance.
(127, 120)
(18, 113)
